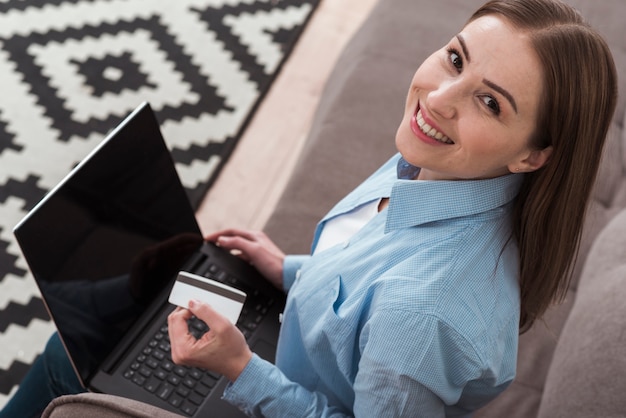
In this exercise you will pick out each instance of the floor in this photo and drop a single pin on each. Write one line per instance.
(252, 181)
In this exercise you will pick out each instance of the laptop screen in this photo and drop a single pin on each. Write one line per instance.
(109, 238)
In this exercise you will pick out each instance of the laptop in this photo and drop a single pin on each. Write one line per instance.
(105, 246)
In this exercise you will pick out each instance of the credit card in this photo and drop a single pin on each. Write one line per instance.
(225, 300)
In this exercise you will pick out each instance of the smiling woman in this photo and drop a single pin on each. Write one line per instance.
(420, 280)
(449, 265)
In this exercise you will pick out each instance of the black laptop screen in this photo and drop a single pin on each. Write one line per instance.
(109, 237)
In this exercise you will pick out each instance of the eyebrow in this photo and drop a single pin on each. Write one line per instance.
(464, 47)
(488, 83)
(502, 91)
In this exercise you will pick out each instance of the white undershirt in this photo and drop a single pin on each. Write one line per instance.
(343, 227)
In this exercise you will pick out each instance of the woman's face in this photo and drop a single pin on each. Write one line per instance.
(473, 105)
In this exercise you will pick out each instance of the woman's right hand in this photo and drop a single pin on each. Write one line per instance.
(256, 248)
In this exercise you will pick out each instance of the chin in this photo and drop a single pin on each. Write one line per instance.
(405, 145)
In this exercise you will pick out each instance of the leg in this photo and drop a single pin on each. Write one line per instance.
(50, 376)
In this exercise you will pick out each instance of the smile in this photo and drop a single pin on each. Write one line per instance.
(429, 130)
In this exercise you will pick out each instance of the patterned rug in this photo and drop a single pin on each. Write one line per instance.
(70, 70)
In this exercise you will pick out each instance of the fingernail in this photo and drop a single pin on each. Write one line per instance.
(193, 303)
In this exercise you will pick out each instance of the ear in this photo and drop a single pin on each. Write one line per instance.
(533, 161)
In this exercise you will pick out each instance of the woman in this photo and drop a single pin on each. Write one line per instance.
(415, 293)
(422, 278)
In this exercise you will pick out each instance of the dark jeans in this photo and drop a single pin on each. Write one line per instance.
(50, 376)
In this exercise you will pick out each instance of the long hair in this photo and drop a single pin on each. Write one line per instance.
(579, 98)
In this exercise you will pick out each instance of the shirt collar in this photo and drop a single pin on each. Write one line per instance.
(413, 203)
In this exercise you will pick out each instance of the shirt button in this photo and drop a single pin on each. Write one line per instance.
(298, 273)
(346, 244)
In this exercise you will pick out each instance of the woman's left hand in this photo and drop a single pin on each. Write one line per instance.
(223, 349)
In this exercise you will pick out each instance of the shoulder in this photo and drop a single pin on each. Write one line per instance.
(434, 338)
(462, 290)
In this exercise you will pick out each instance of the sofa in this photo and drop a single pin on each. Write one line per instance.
(571, 364)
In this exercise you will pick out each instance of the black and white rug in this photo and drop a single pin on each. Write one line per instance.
(70, 70)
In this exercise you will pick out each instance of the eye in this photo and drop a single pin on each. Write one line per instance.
(455, 59)
(492, 104)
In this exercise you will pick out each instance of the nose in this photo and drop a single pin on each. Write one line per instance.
(444, 100)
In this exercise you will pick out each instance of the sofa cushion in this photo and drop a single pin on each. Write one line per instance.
(607, 253)
(102, 406)
(590, 351)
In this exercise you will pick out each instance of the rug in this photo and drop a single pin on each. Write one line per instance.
(70, 70)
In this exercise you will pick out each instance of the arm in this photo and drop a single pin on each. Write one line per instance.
(223, 349)
(263, 391)
(400, 374)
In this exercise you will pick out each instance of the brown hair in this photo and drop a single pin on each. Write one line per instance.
(579, 98)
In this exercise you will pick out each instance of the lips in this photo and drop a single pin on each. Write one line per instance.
(429, 130)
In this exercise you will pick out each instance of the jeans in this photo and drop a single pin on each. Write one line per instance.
(50, 376)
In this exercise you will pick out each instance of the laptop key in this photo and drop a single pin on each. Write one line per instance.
(208, 381)
(180, 371)
(173, 379)
(168, 365)
(176, 400)
(182, 391)
(152, 384)
(203, 389)
(161, 374)
(160, 355)
(140, 380)
(196, 374)
(145, 371)
(214, 375)
(189, 382)
(188, 408)
(196, 398)
(164, 391)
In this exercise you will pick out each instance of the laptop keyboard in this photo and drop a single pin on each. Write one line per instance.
(185, 388)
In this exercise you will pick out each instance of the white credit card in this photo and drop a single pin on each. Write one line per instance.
(225, 300)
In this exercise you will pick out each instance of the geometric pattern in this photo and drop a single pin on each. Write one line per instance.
(71, 70)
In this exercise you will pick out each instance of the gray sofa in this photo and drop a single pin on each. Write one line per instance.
(574, 364)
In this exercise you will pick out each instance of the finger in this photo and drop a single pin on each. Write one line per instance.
(224, 232)
(231, 232)
(215, 321)
(177, 323)
(239, 243)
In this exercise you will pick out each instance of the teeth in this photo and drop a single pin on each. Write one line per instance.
(430, 131)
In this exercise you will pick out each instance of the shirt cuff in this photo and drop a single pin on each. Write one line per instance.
(247, 392)
(291, 269)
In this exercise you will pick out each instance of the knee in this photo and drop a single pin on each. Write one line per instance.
(54, 352)
(58, 367)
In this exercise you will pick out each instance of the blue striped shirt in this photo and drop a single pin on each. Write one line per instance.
(415, 315)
